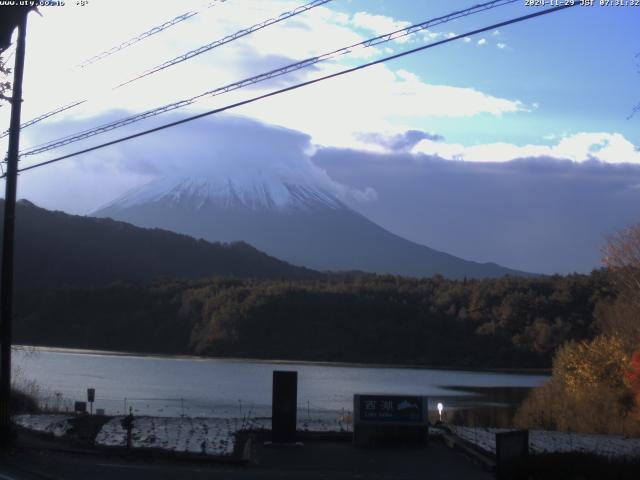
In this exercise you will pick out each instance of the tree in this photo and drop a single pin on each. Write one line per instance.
(12, 16)
(589, 365)
(632, 376)
(621, 317)
(622, 256)
(595, 385)
(5, 85)
(590, 391)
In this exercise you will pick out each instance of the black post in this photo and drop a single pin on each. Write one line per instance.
(8, 236)
(284, 407)
(512, 451)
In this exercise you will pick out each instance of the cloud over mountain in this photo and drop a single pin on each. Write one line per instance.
(224, 146)
(398, 142)
(537, 214)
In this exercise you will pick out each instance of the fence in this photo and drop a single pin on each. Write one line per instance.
(250, 415)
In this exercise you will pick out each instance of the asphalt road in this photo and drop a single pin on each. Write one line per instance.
(317, 460)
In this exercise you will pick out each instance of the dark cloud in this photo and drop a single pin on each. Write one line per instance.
(400, 142)
(539, 214)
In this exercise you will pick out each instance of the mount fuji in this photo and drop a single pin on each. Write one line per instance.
(289, 217)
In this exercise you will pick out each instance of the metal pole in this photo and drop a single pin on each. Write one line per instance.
(8, 237)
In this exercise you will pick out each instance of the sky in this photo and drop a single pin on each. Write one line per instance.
(514, 145)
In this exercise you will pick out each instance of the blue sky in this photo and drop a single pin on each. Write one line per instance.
(572, 71)
(567, 73)
(557, 89)
(579, 66)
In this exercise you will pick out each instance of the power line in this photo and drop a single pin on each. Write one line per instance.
(300, 85)
(48, 114)
(107, 53)
(229, 38)
(264, 76)
(143, 35)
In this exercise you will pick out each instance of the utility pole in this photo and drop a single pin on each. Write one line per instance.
(8, 237)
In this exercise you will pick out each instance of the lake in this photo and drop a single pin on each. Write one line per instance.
(170, 386)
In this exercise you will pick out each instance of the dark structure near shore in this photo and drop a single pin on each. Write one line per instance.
(284, 407)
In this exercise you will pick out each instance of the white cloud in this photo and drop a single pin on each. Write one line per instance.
(377, 99)
(367, 195)
(374, 100)
(495, 33)
(430, 36)
(482, 41)
(466, 39)
(501, 45)
(378, 24)
(309, 34)
(581, 147)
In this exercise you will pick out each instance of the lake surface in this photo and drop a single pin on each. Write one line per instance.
(168, 386)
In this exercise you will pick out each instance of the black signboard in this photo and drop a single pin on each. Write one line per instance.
(390, 408)
(91, 394)
(284, 406)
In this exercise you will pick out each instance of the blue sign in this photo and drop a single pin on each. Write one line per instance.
(391, 408)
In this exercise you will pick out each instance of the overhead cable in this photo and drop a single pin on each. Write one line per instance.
(229, 38)
(262, 77)
(138, 38)
(299, 85)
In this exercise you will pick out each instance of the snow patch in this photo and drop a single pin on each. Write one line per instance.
(58, 425)
(542, 441)
(209, 436)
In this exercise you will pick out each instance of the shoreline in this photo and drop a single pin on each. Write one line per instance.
(80, 351)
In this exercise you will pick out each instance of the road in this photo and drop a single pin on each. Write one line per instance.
(314, 461)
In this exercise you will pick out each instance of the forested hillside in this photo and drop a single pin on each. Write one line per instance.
(55, 249)
(508, 322)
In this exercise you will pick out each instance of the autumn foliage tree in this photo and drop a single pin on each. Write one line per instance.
(622, 256)
(588, 391)
(632, 377)
(595, 384)
(621, 317)
(590, 365)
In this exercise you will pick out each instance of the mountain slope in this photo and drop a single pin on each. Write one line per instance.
(55, 249)
(297, 222)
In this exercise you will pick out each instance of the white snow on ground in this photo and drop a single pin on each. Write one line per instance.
(58, 425)
(541, 441)
(216, 436)
(211, 436)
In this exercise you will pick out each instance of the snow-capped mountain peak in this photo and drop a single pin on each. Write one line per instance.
(259, 194)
